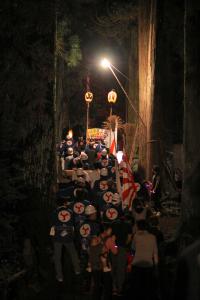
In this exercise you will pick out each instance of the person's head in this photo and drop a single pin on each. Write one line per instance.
(107, 230)
(104, 162)
(111, 184)
(62, 200)
(154, 221)
(83, 156)
(136, 202)
(156, 169)
(141, 225)
(138, 205)
(70, 151)
(104, 153)
(67, 177)
(95, 146)
(80, 172)
(129, 218)
(146, 184)
(76, 154)
(91, 212)
(91, 143)
(104, 172)
(137, 186)
(80, 182)
(80, 194)
(94, 241)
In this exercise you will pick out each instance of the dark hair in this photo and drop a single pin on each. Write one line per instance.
(154, 221)
(156, 168)
(129, 218)
(80, 194)
(107, 226)
(141, 224)
(76, 154)
(60, 200)
(137, 202)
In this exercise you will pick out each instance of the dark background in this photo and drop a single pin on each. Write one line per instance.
(31, 121)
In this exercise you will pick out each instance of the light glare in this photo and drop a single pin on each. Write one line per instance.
(119, 156)
(105, 63)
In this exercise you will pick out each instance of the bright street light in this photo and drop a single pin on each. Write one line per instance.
(105, 63)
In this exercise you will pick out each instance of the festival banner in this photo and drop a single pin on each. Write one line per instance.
(97, 133)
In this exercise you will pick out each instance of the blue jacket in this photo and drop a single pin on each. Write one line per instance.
(104, 198)
(63, 223)
(78, 208)
(111, 213)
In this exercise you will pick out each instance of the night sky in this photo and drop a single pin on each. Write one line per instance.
(95, 45)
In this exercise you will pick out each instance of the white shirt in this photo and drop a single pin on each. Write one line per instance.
(146, 251)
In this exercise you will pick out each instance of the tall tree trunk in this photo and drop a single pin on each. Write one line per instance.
(133, 87)
(147, 22)
(167, 109)
(191, 191)
(133, 91)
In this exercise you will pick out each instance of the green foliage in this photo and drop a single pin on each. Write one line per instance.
(63, 28)
(74, 56)
(67, 44)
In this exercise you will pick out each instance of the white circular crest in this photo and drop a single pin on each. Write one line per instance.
(103, 185)
(64, 216)
(69, 143)
(85, 230)
(111, 213)
(107, 197)
(104, 162)
(79, 208)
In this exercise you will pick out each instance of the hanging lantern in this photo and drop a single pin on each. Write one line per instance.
(88, 97)
(112, 96)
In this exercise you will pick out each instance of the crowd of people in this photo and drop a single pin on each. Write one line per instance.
(113, 249)
(81, 153)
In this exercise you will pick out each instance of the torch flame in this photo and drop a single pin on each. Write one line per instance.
(70, 133)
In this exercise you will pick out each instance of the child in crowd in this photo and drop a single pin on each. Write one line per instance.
(99, 263)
